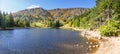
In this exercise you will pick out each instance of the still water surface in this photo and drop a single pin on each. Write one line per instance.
(42, 41)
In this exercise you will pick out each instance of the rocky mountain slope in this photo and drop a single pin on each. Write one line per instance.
(54, 13)
(68, 12)
(34, 13)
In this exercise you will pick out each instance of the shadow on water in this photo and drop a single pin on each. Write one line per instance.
(42, 41)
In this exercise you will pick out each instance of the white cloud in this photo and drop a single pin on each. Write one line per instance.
(33, 6)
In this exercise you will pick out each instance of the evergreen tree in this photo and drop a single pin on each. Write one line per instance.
(1, 18)
(73, 20)
(3, 24)
(11, 20)
(57, 24)
(7, 20)
(27, 22)
(116, 7)
(77, 22)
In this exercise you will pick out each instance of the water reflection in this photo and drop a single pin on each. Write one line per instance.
(6, 34)
(42, 41)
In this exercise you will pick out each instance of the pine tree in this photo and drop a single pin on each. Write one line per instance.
(3, 21)
(1, 18)
(57, 24)
(27, 22)
(7, 20)
(11, 20)
(116, 7)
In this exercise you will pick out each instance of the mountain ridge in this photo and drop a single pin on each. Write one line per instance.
(43, 13)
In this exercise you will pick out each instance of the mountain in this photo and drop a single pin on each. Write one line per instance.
(33, 13)
(67, 12)
(54, 13)
(46, 18)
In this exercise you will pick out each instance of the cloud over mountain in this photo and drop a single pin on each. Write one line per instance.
(33, 6)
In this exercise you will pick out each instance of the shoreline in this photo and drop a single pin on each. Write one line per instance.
(107, 45)
(12, 28)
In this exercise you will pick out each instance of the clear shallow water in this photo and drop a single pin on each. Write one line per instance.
(42, 41)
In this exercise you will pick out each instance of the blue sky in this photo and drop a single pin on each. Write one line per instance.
(16, 5)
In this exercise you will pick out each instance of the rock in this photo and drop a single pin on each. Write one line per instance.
(94, 46)
(99, 38)
(89, 46)
(97, 45)
(76, 45)
(86, 42)
(91, 43)
(90, 49)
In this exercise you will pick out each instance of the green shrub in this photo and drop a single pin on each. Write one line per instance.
(107, 31)
(115, 24)
(110, 29)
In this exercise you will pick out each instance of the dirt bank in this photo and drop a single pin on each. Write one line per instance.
(107, 45)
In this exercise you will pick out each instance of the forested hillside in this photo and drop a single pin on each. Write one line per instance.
(105, 15)
(6, 20)
(33, 13)
(36, 17)
(67, 12)
(39, 17)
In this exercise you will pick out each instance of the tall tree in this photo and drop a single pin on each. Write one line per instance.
(7, 20)
(11, 21)
(3, 24)
(105, 7)
(27, 22)
(57, 24)
(1, 18)
(116, 7)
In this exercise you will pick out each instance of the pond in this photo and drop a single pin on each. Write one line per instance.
(42, 41)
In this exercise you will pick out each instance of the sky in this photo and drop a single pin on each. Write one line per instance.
(17, 5)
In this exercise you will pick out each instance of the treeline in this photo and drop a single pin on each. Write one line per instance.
(22, 22)
(40, 17)
(46, 23)
(7, 21)
(53, 23)
(105, 16)
(29, 21)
